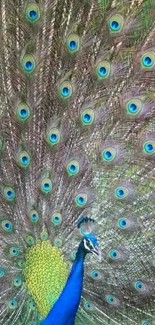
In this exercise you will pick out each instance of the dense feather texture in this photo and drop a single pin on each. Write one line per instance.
(77, 138)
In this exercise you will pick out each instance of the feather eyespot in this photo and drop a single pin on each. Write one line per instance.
(17, 282)
(44, 235)
(124, 223)
(56, 219)
(33, 215)
(21, 263)
(30, 240)
(148, 60)
(114, 254)
(9, 193)
(22, 112)
(140, 286)
(2, 272)
(46, 185)
(109, 154)
(65, 89)
(103, 70)
(7, 225)
(111, 300)
(28, 64)
(116, 23)
(121, 192)
(81, 199)
(134, 106)
(73, 168)
(73, 43)
(53, 137)
(14, 251)
(149, 147)
(58, 242)
(87, 116)
(12, 304)
(88, 306)
(32, 13)
(32, 305)
(23, 159)
(95, 274)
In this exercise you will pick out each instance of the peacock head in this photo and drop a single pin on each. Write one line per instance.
(91, 245)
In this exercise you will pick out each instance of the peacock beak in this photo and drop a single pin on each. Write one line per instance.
(97, 252)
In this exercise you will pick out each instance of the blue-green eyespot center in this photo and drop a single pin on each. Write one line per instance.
(114, 25)
(53, 138)
(28, 65)
(113, 254)
(46, 185)
(121, 192)
(12, 304)
(102, 71)
(122, 223)
(7, 225)
(14, 251)
(87, 116)
(149, 147)
(56, 218)
(132, 108)
(138, 285)
(58, 242)
(24, 159)
(17, 282)
(32, 14)
(73, 168)
(81, 199)
(65, 91)
(72, 45)
(9, 193)
(23, 113)
(147, 61)
(110, 299)
(2, 272)
(109, 154)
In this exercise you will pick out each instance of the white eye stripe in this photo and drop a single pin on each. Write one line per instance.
(88, 247)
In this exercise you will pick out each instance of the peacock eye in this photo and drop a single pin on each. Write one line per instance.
(65, 89)
(2, 272)
(73, 43)
(103, 70)
(148, 60)
(32, 13)
(28, 64)
(12, 304)
(87, 116)
(116, 23)
(149, 147)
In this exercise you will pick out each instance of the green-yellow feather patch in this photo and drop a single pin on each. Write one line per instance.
(44, 264)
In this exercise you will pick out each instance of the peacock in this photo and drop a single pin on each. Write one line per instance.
(77, 162)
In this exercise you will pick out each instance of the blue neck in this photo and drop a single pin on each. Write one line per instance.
(64, 310)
